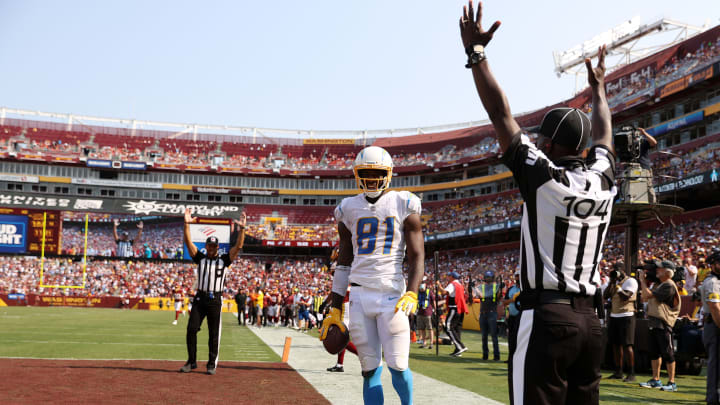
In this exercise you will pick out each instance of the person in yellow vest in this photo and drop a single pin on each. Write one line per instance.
(489, 292)
(703, 270)
(622, 292)
(663, 309)
(681, 288)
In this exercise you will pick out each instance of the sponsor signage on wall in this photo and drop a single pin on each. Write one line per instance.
(13, 233)
(710, 176)
(298, 243)
(137, 207)
(239, 191)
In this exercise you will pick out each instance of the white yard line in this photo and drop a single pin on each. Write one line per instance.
(310, 359)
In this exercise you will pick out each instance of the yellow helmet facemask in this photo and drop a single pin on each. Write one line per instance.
(373, 186)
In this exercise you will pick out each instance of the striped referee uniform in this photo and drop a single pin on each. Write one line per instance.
(125, 248)
(210, 275)
(566, 214)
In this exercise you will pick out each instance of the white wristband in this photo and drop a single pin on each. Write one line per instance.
(341, 280)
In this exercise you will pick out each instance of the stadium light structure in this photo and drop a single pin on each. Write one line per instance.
(627, 43)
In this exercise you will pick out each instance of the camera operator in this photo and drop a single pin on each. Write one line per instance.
(622, 291)
(634, 148)
(710, 294)
(647, 143)
(663, 309)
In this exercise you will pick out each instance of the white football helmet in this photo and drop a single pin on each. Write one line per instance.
(373, 158)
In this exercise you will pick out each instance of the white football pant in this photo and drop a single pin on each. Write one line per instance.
(375, 329)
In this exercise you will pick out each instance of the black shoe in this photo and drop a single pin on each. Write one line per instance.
(485, 357)
(336, 369)
(629, 378)
(211, 370)
(458, 352)
(615, 376)
(496, 358)
(188, 367)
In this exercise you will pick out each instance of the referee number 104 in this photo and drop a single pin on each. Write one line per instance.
(586, 207)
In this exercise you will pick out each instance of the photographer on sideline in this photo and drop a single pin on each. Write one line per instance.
(663, 309)
(622, 293)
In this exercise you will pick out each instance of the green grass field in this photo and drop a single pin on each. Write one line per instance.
(77, 333)
(97, 333)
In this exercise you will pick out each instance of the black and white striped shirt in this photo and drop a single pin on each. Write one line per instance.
(211, 272)
(566, 214)
(124, 248)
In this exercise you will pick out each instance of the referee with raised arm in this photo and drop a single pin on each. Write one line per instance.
(566, 213)
(211, 271)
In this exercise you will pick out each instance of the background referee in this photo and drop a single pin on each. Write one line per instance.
(211, 272)
(567, 201)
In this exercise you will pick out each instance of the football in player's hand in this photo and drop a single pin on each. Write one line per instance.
(336, 340)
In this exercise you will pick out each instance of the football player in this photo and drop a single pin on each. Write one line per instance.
(178, 297)
(375, 228)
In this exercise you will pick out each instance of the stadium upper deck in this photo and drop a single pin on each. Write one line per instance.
(674, 93)
(653, 80)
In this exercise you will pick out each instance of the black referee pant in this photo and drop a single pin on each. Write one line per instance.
(452, 326)
(558, 353)
(204, 306)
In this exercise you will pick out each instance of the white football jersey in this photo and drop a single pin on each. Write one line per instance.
(378, 238)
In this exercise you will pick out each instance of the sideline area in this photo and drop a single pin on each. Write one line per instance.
(309, 358)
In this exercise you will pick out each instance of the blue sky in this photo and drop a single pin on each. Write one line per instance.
(367, 64)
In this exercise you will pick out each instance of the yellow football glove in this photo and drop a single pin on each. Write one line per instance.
(407, 303)
(335, 317)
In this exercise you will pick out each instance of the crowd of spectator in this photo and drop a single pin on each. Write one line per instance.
(158, 241)
(685, 244)
(675, 68)
(684, 164)
(463, 214)
(207, 154)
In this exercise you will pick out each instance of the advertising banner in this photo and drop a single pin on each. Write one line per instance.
(115, 183)
(710, 176)
(133, 166)
(240, 191)
(101, 163)
(137, 207)
(22, 178)
(13, 233)
(298, 243)
(62, 301)
(328, 142)
(509, 224)
(676, 123)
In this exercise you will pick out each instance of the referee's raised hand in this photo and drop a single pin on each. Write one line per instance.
(471, 29)
(596, 75)
(188, 216)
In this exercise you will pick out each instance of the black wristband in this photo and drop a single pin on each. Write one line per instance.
(476, 54)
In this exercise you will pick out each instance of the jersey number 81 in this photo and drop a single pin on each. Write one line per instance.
(367, 229)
